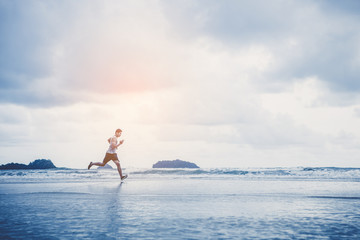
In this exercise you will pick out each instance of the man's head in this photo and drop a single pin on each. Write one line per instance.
(118, 132)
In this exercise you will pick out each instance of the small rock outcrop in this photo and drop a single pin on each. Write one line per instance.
(37, 164)
(14, 166)
(41, 164)
(174, 164)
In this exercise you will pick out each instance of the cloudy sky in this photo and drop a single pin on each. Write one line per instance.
(219, 83)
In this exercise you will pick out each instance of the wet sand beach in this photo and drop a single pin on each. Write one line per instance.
(173, 207)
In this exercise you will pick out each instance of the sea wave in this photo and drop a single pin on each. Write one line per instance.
(352, 174)
(304, 172)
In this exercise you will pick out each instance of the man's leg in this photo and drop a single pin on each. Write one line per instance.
(100, 164)
(118, 168)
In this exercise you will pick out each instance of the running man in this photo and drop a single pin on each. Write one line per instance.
(111, 153)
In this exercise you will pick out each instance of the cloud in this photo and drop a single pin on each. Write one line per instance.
(24, 41)
(29, 31)
(233, 22)
(14, 122)
(225, 75)
(119, 47)
(270, 134)
(350, 7)
(51, 51)
(306, 38)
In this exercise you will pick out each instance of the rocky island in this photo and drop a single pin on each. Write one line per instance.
(174, 164)
(37, 164)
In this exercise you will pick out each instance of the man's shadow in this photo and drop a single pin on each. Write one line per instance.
(114, 208)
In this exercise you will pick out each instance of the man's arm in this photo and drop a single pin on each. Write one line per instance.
(121, 142)
(113, 142)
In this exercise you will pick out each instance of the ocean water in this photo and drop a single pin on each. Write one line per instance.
(263, 203)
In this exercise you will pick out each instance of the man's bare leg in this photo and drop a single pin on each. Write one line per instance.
(100, 164)
(119, 170)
